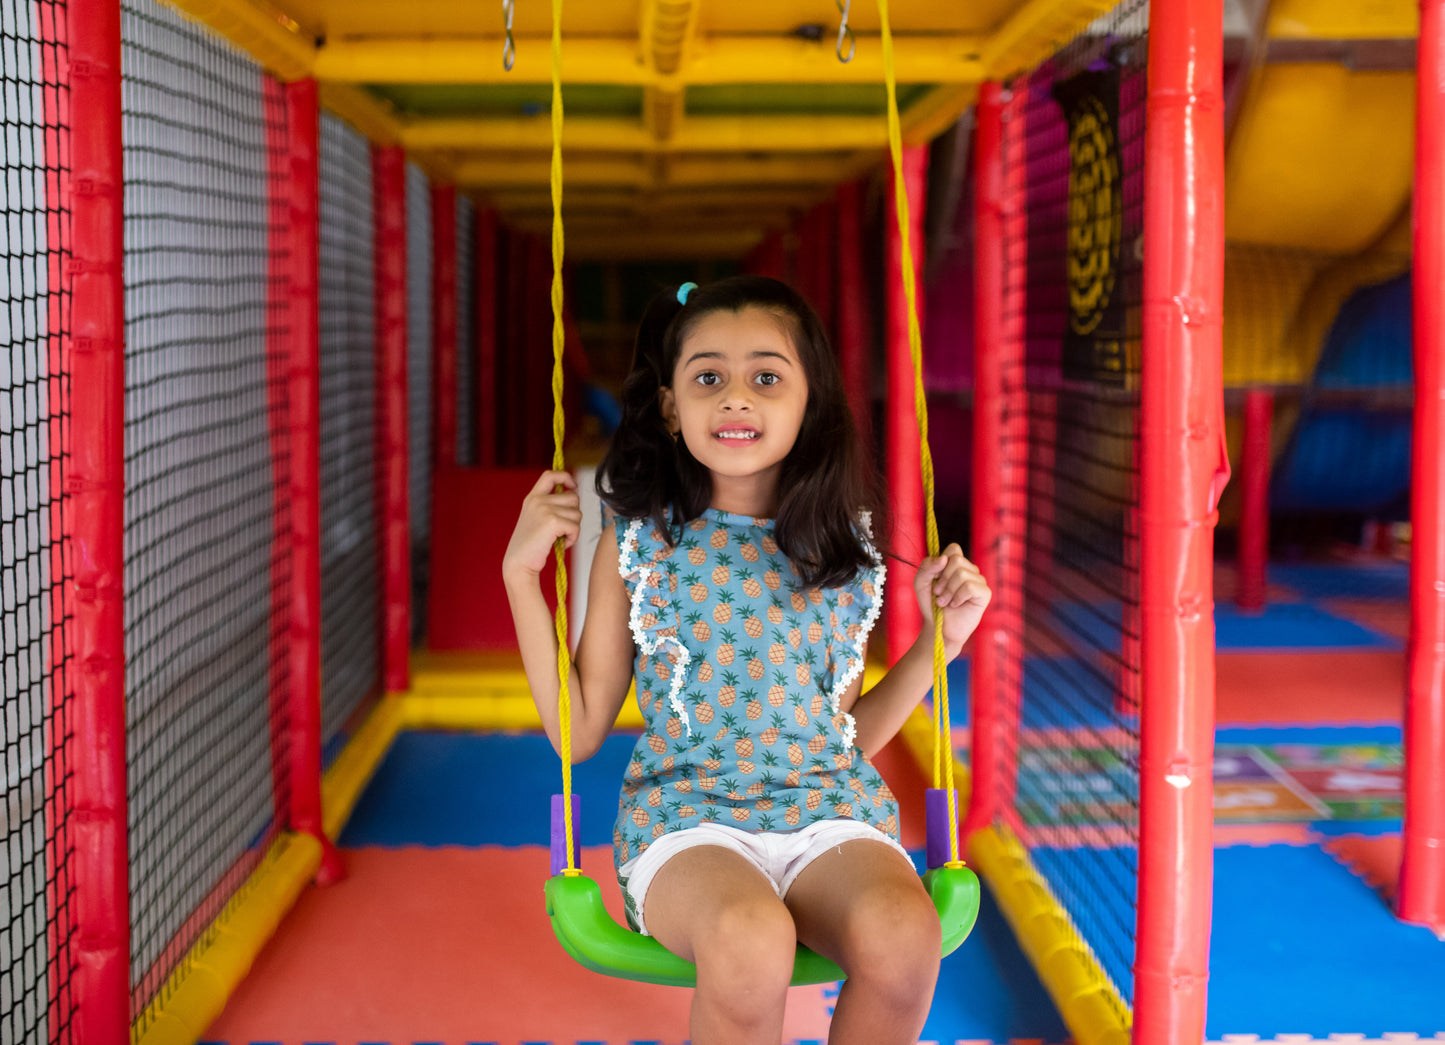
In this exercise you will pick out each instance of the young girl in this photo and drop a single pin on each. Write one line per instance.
(738, 586)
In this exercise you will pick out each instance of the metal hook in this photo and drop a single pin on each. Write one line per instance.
(509, 48)
(845, 32)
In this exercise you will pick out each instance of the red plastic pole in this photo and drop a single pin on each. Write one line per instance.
(100, 982)
(999, 477)
(389, 179)
(444, 320)
(486, 347)
(1422, 873)
(824, 263)
(1254, 500)
(852, 312)
(905, 486)
(769, 258)
(300, 355)
(1183, 468)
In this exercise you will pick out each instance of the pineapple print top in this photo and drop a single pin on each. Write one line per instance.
(739, 673)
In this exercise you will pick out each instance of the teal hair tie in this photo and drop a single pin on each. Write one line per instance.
(683, 291)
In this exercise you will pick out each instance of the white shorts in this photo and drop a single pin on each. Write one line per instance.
(779, 856)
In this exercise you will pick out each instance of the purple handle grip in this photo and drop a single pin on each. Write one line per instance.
(559, 834)
(940, 828)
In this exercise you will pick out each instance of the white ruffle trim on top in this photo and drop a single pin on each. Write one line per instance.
(840, 687)
(645, 642)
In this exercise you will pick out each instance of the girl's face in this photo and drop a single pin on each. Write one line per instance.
(737, 400)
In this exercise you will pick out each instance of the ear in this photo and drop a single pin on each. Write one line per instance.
(667, 405)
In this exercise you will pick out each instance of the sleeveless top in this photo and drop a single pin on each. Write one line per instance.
(739, 674)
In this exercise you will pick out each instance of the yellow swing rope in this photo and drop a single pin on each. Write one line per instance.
(942, 748)
(559, 427)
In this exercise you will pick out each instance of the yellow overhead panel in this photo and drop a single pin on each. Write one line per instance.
(377, 18)
(696, 134)
(1344, 19)
(277, 42)
(1321, 158)
(698, 200)
(504, 173)
(1035, 29)
(732, 17)
(749, 60)
(667, 28)
(686, 170)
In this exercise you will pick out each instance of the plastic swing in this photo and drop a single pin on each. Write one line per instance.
(574, 902)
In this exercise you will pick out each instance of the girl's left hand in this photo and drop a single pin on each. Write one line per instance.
(959, 590)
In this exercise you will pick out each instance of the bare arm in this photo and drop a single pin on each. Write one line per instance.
(961, 595)
(602, 670)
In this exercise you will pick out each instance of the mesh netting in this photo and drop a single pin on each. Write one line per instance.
(350, 578)
(419, 382)
(1073, 267)
(203, 644)
(466, 333)
(36, 700)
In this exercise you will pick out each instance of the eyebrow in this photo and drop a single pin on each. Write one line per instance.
(759, 353)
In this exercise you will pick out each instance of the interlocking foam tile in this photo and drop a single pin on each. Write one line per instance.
(1302, 946)
(1383, 579)
(1355, 687)
(1376, 859)
(1387, 617)
(1292, 625)
(451, 945)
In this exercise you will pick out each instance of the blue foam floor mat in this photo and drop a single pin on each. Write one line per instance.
(1292, 625)
(1303, 946)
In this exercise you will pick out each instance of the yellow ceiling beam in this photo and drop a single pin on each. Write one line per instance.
(667, 33)
(277, 42)
(766, 133)
(602, 60)
(682, 171)
(1035, 30)
(660, 201)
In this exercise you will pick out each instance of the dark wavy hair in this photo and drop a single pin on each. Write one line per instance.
(825, 481)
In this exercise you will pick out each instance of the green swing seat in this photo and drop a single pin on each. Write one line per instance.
(594, 939)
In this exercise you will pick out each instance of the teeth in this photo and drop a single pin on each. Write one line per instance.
(737, 435)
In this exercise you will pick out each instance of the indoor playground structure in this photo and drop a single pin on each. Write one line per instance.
(1141, 303)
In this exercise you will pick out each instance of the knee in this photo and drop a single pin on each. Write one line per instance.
(892, 941)
(746, 952)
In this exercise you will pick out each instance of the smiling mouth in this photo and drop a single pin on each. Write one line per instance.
(738, 435)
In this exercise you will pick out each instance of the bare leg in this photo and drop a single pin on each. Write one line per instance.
(862, 905)
(713, 908)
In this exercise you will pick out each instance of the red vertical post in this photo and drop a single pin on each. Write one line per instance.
(297, 194)
(902, 453)
(1253, 558)
(486, 346)
(998, 474)
(825, 264)
(389, 180)
(95, 519)
(1182, 471)
(1422, 873)
(852, 313)
(769, 258)
(444, 321)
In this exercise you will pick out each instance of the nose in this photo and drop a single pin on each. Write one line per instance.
(737, 397)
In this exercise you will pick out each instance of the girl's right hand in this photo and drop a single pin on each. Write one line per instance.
(547, 513)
